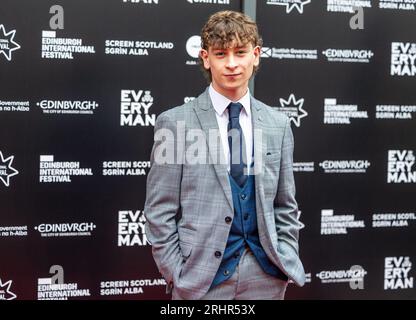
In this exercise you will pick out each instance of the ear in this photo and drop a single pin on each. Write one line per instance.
(256, 52)
(204, 56)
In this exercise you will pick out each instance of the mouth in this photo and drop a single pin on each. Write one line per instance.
(232, 75)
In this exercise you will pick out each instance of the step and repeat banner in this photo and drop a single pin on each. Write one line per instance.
(82, 82)
(347, 81)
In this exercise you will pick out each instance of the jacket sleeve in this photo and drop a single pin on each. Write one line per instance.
(162, 203)
(285, 205)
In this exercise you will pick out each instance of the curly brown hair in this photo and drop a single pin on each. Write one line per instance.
(225, 28)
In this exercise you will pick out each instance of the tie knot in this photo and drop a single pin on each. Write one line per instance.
(234, 109)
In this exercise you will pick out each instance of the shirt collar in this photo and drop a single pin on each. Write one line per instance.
(221, 102)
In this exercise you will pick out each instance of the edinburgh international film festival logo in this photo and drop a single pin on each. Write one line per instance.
(7, 43)
(5, 290)
(293, 108)
(55, 287)
(6, 169)
(347, 5)
(290, 4)
(401, 166)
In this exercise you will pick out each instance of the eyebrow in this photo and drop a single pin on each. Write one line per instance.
(239, 47)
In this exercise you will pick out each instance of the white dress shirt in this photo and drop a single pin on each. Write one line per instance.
(220, 104)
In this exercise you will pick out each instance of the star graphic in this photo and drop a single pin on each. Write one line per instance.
(6, 288)
(10, 38)
(293, 103)
(290, 5)
(7, 161)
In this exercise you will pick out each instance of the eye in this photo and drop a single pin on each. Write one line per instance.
(219, 53)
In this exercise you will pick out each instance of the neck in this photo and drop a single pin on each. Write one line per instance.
(232, 94)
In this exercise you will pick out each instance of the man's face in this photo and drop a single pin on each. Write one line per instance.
(231, 68)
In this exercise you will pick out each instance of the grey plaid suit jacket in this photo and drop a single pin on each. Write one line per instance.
(186, 204)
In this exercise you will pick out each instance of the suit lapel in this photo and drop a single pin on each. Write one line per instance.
(208, 121)
(259, 145)
(266, 223)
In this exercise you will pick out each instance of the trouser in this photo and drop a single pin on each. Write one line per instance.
(248, 282)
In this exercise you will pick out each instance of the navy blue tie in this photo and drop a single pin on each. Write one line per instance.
(236, 143)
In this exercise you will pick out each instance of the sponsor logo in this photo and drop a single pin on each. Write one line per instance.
(128, 287)
(193, 47)
(303, 166)
(348, 55)
(209, 1)
(290, 4)
(6, 169)
(402, 112)
(293, 108)
(60, 172)
(67, 107)
(345, 166)
(5, 290)
(13, 231)
(54, 288)
(405, 5)
(62, 48)
(338, 224)
(335, 113)
(135, 48)
(403, 57)
(134, 108)
(393, 220)
(14, 106)
(400, 166)
(83, 229)
(352, 275)
(289, 53)
(7, 43)
(346, 5)
(188, 99)
(125, 168)
(131, 229)
(396, 273)
(142, 1)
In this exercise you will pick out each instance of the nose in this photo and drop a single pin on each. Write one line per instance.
(231, 62)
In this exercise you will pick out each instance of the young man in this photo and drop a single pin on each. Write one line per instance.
(224, 229)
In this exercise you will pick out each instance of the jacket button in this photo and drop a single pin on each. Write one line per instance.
(246, 216)
(228, 219)
(226, 272)
(236, 255)
(217, 254)
(243, 196)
